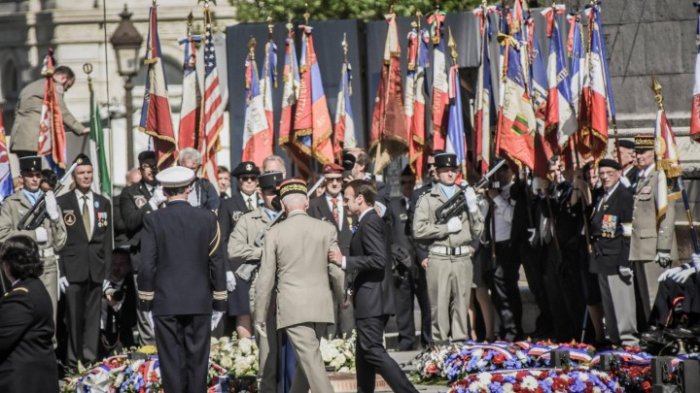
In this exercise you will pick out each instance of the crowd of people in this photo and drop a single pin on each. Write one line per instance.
(175, 258)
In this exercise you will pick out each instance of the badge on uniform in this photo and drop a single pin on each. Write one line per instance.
(68, 217)
(403, 217)
(101, 219)
(140, 201)
(609, 226)
(236, 215)
(645, 190)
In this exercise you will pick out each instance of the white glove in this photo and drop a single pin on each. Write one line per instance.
(42, 236)
(696, 259)
(663, 258)
(157, 198)
(669, 273)
(625, 272)
(51, 205)
(230, 281)
(680, 276)
(261, 330)
(150, 320)
(454, 225)
(215, 319)
(63, 284)
(470, 196)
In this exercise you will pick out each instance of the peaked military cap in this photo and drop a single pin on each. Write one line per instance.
(176, 176)
(269, 180)
(246, 168)
(644, 142)
(30, 164)
(349, 161)
(293, 186)
(446, 160)
(146, 155)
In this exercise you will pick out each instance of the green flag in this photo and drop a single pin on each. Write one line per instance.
(101, 182)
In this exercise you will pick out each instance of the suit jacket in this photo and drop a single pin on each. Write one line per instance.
(120, 238)
(302, 278)
(27, 360)
(180, 246)
(399, 212)
(12, 211)
(84, 258)
(206, 193)
(647, 237)
(611, 248)
(25, 131)
(134, 206)
(230, 211)
(370, 268)
(318, 208)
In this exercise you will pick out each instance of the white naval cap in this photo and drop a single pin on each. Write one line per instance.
(176, 176)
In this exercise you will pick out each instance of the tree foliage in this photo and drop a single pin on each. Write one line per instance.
(283, 10)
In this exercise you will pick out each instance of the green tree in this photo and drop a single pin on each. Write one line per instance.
(282, 10)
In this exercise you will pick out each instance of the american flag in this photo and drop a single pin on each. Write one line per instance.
(212, 104)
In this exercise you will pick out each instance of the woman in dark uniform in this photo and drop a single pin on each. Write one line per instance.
(27, 360)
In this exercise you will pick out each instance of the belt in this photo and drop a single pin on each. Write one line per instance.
(451, 251)
(47, 252)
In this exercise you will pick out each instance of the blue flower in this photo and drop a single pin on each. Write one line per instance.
(495, 387)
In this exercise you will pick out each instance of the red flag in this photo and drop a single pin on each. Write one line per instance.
(312, 117)
(289, 101)
(416, 97)
(389, 135)
(156, 119)
(695, 108)
(52, 135)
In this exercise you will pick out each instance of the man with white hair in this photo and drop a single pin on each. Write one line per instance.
(274, 164)
(204, 193)
(304, 288)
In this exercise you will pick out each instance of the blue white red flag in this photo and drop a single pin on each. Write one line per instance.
(255, 145)
(189, 135)
(538, 96)
(484, 99)
(156, 119)
(268, 81)
(456, 139)
(416, 96)
(344, 136)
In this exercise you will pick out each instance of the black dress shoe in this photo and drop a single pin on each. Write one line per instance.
(687, 333)
(654, 336)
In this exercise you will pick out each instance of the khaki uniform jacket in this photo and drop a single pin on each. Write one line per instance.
(241, 243)
(295, 264)
(25, 131)
(16, 206)
(647, 238)
(425, 228)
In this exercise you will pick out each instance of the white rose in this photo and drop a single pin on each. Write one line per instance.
(226, 363)
(508, 388)
(529, 383)
(484, 378)
(245, 347)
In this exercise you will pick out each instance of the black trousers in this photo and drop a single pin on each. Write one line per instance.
(564, 288)
(505, 292)
(83, 301)
(371, 358)
(404, 311)
(183, 350)
(420, 283)
(535, 267)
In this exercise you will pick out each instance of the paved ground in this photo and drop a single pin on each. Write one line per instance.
(405, 357)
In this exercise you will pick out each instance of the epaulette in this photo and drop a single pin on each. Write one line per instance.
(420, 197)
(18, 289)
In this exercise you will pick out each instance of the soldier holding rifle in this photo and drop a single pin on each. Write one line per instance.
(50, 232)
(449, 272)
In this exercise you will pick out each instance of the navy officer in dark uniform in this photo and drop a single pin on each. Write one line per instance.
(181, 244)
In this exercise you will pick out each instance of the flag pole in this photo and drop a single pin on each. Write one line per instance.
(656, 87)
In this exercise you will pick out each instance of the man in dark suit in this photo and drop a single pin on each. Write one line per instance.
(369, 270)
(135, 202)
(231, 210)
(329, 207)
(611, 228)
(85, 261)
(181, 244)
(118, 305)
(628, 162)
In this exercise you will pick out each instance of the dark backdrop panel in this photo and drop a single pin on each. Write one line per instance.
(327, 42)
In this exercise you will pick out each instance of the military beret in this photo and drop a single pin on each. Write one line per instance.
(626, 143)
(445, 160)
(269, 180)
(332, 168)
(82, 159)
(606, 162)
(146, 155)
(175, 176)
(349, 161)
(30, 164)
(293, 186)
(246, 168)
(644, 142)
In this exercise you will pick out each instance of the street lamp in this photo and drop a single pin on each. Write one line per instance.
(127, 41)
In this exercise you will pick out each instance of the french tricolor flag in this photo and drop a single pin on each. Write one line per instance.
(539, 93)
(156, 119)
(344, 131)
(560, 121)
(255, 129)
(594, 108)
(189, 134)
(484, 94)
(268, 80)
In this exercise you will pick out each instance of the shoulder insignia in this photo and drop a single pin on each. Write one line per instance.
(237, 215)
(214, 243)
(18, 289)
(420, 198)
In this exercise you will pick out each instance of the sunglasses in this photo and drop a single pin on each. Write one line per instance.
(248, 178)
(148, 166)
(334, 179)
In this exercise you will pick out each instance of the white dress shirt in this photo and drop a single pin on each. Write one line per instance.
(91, 207)
(253, 199)
(503, 214)
(340, 208)
(343, 265)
